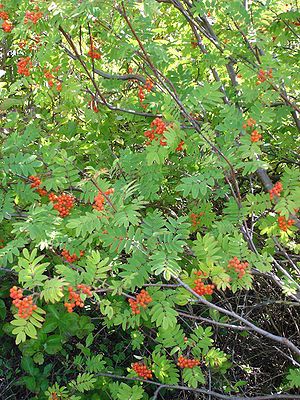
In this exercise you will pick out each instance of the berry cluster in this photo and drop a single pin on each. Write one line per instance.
(276, 190)
(93, 53)
(179, 147)
(202, 289)
(255, 135)
(51, 78)
(187, 363)
(142, 91)
(7, 26)
(32, 16)
(85, 289)
(74, 297)
(24, 65)
(63, 203)
(24, 304)
(1, 243)
(142, 300)
(93, 105)
(264, 75)
(4, 15)
(36, 181)
(250, 122)
(238, 266)
(42, 192)
(142, 370)
(71, 258)
(100, 200)
(196, 217)
(283, 223)
(157, 132)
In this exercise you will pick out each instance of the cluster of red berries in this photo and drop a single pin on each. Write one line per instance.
(93, 53)
(100, 200)
(180, 146)
(7, 26)
(71, 258)
(85, 289)
(202, 289)
(142, 370)
(187, 363)
(36, 181)
(51, 78)
(250, 122)
(42, 192)
(24, 305)
(264, 75)
(63, 203)
(283, 223)
(1, 243)
(157, 131)
(33, 16)
(142, 91)
(74, 297)
(255, 135)
(276, 190)
(238, 266)
(93, 105)
(24, 65)
(195, 218)
(141, 300)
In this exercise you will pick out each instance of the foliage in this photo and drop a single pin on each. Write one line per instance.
(149, 193)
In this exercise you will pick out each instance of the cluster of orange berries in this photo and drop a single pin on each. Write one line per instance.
(142, 300)
(24, 65)
(263, 75)
(71, 258)
(195, 218)
(142, 370)
(142, 91)
(157, 132)
(24, 305)
(93, 53)
(202, 289)
(36, 181)
(51, 78)
(7, 26)
(74, 297)
(62, 203)
(238, 266)
(283, 223)
(100, 200)
(187, 363)
(32, 16)
(255, 135)
(276, 190)
(93, 105)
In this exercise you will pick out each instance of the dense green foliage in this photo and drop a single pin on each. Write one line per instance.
(149, 173)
